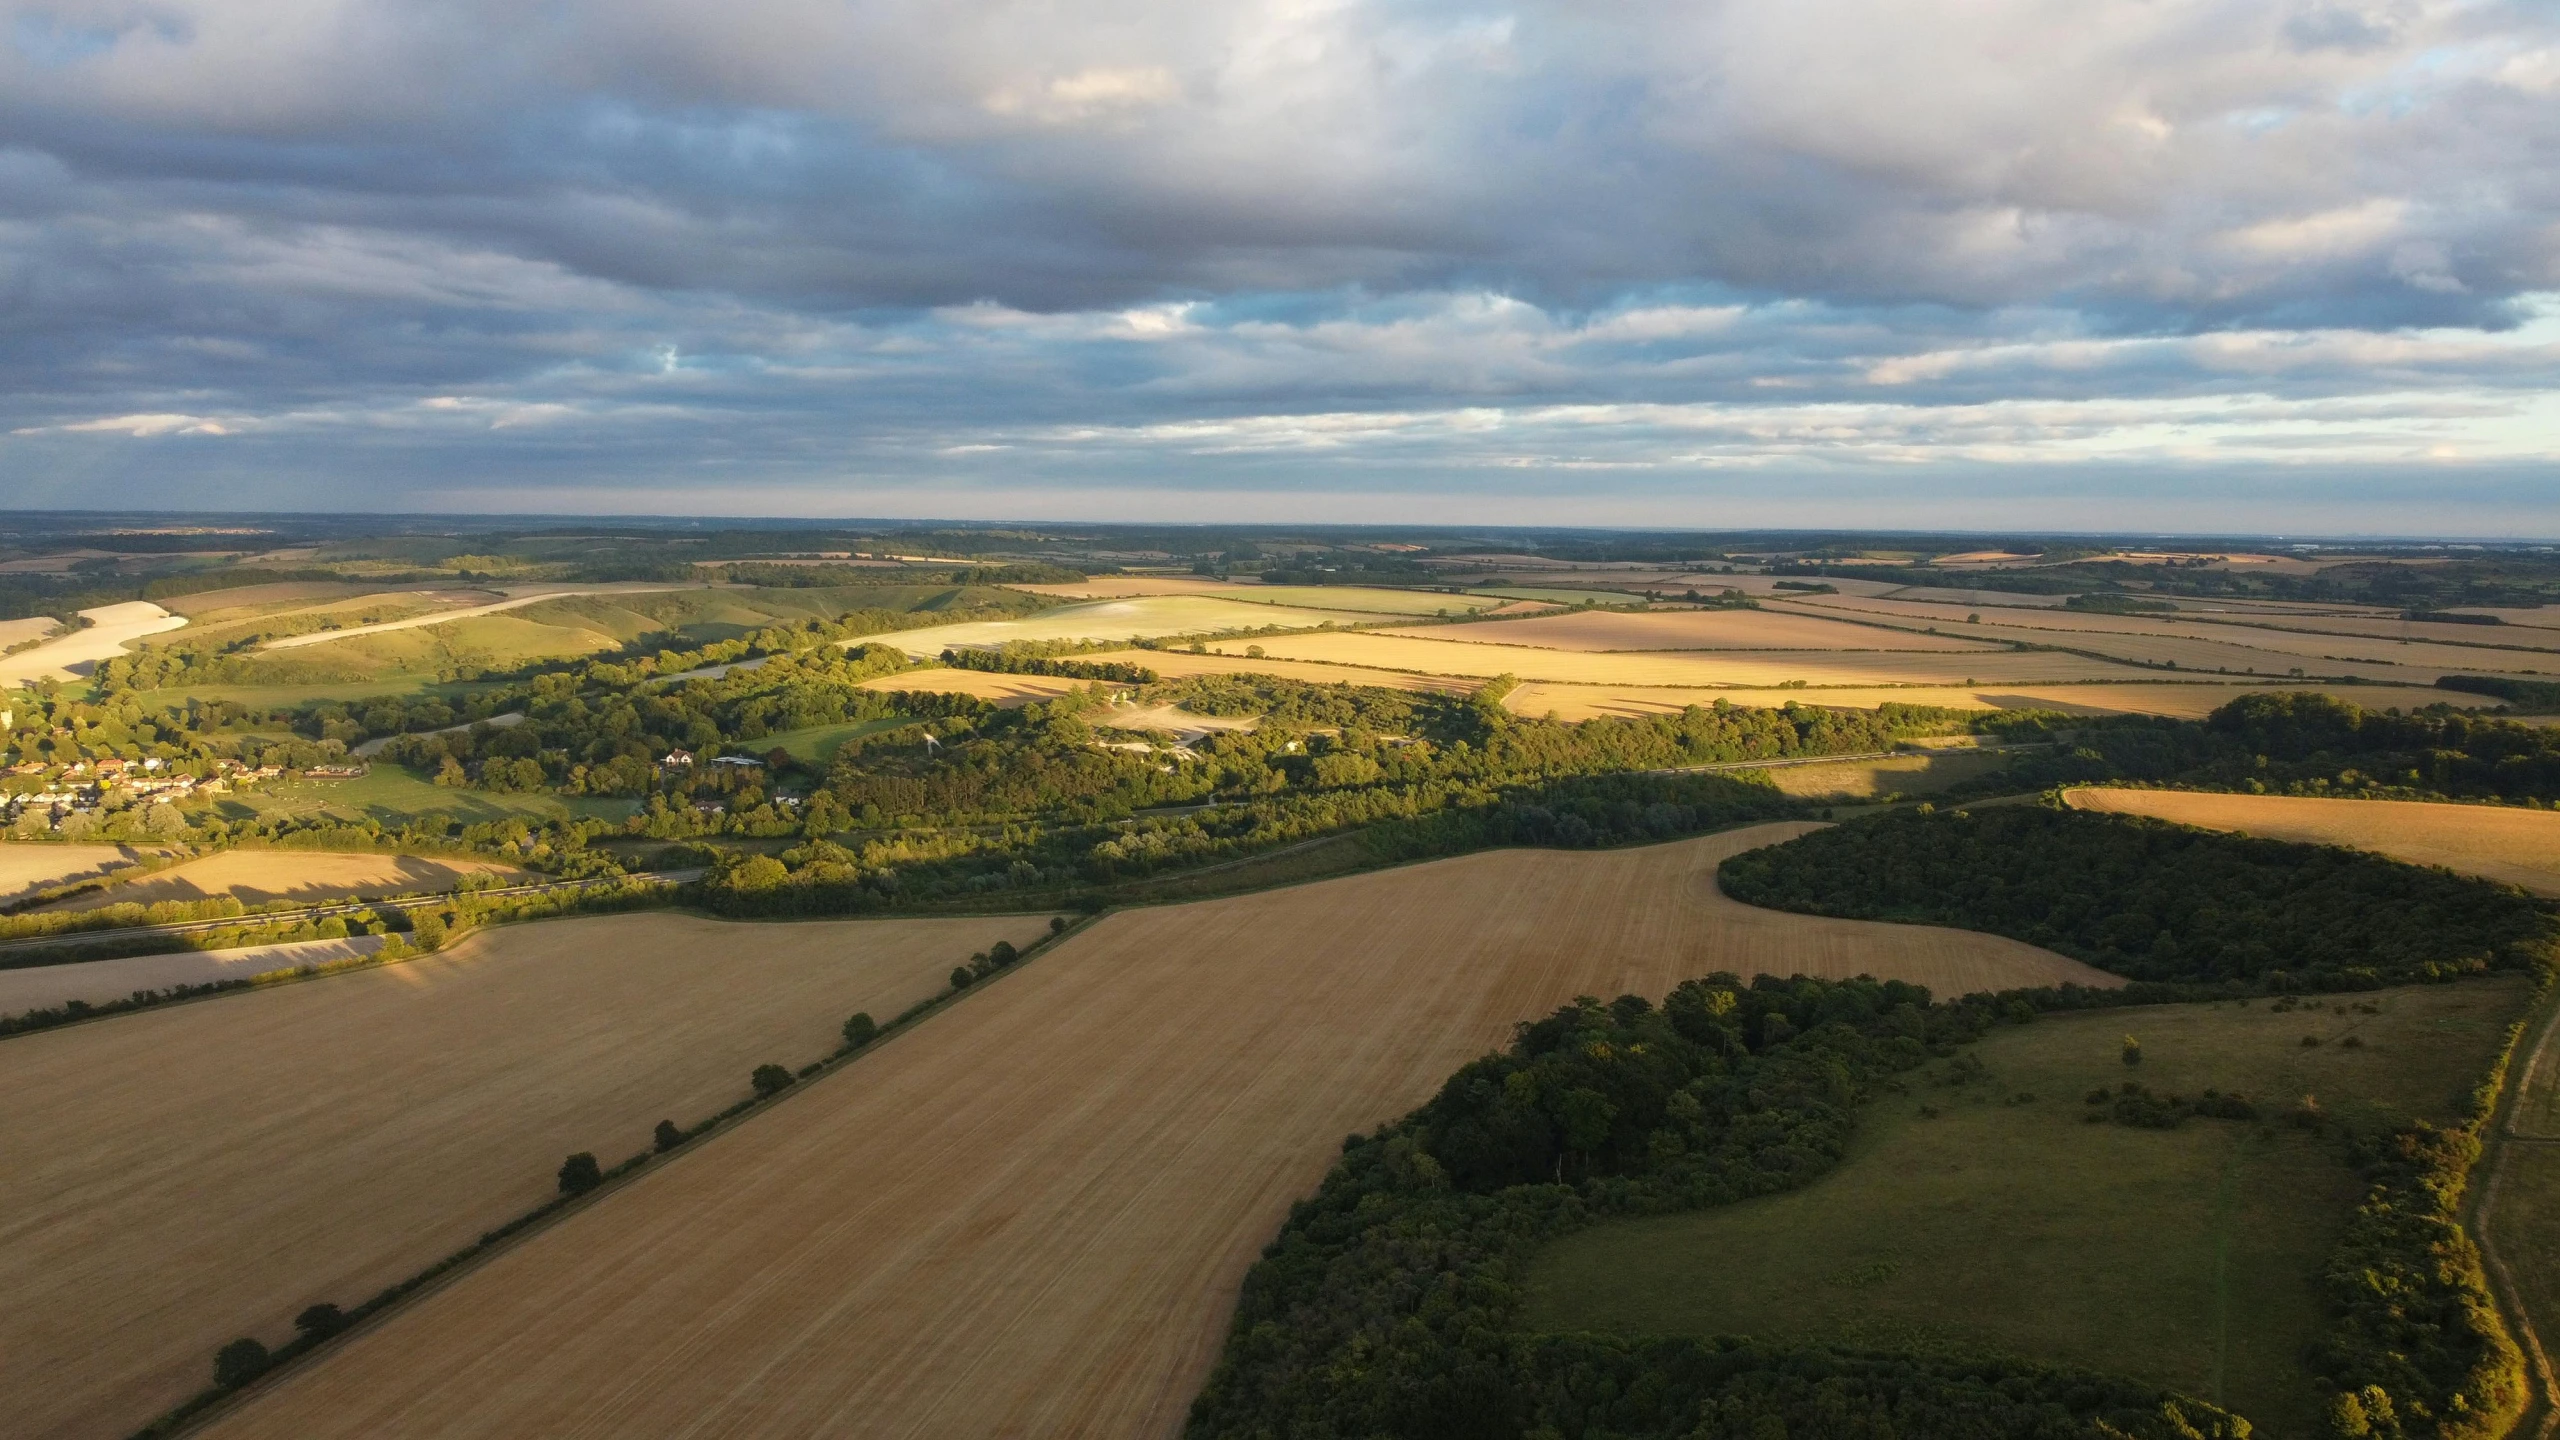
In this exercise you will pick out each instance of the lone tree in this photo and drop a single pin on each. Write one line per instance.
(321, 1321)
(770, 1080)
(238, 1363)
(1057, 924)
(580, 1173)
(2132, 1051)
(861, 1030)
(667, 1136)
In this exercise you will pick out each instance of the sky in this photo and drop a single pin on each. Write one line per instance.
(2180, 265)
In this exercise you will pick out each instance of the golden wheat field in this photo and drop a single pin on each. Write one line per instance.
(2497, 842)
(1604, 630)
(174, 1179)
(1029, 1217)
(27, 867)
(1705, 668)
(257, 877)
(2187, 701)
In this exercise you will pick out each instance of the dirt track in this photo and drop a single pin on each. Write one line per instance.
(1029, 1216)
(175, 1179)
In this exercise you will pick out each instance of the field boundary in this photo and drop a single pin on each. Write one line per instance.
(213, 1401)
(2541, 1416)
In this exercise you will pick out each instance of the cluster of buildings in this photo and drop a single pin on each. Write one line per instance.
(86, 785)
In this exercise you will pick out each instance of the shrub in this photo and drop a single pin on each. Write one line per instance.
(239, 1362)
(580, 1173)
(2132, 1051)
(861, 1030)
(770, 1080)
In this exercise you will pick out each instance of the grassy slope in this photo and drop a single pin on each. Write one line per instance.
(2184, 1257)
(391, 794)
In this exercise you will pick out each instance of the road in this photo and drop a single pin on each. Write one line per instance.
(2541, 1417)
(341, 908)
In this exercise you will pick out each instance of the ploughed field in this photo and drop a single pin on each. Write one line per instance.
(259, 877)
(1030, 1215)
(2496, 842)
(174, 1179)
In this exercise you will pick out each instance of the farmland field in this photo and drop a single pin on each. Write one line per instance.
(2498, 842)
(1143, 617)
(176, 1178)
(1359, 598)
(391, 794)
(987, 685)
(1735, 668)
(28, 867)
(1608, 630)
(2184, 1257)
(258, 877)
(1030, 1215)
(41, 987)
(2184, 701)
(818, 744)
(1901, 774)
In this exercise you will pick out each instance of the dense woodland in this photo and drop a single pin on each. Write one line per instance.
(2299, 743)
(1391, 1302)
(2155, 901)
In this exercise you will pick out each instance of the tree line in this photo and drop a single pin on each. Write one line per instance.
(1391, 1303)
(2154, 901)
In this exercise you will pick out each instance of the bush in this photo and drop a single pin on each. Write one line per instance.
(861, 1030)
(667, 1136)
(770, 1080)
(239, 1362)
(580, 1173)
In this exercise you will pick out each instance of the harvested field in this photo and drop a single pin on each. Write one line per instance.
(2496, 842)
(18, 632)
(1361, 599)
(2374, 649)
(1704, 668)
(987, 685)
(177, 1178)
(1144, 617)
(110, 630)
(443, 617)
(41, 987)
(1612, 630)
(27, 867)
(1900, 775)
(1030, 1215)
(2189, 701)
(1178, 664)
(258, 877)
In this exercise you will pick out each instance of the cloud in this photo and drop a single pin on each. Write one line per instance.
(740, 241)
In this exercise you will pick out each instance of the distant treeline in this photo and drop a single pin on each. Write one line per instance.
(2157, 902)
(2533, 697)
(1012, 662)
(2299, 743)
(1391, 1304)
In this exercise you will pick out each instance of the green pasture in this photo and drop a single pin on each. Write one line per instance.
(2009, 1223)
(391, 794)
(818, 744)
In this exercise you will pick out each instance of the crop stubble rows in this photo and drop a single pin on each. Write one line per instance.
(199, 1173)
(1030, 1216)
